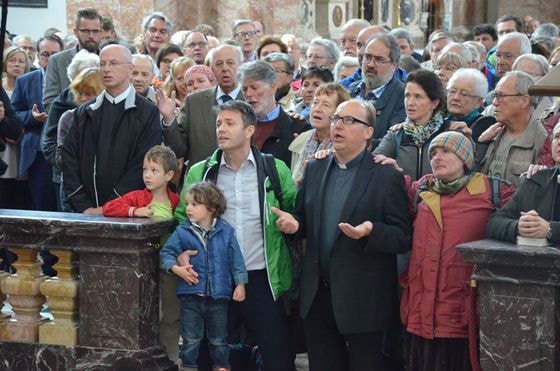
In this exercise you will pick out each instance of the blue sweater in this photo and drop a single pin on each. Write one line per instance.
(219, 262)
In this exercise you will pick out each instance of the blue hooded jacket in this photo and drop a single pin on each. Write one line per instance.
(219, 262)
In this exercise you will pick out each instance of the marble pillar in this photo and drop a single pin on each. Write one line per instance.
(117, 300)
(519, 293)
(25, 297)
(62, 298)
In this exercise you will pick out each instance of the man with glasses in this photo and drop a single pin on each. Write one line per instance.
(243, 31)
(322, 52)
(157, 31)
(354, 229)
(284, 68)
(514, 142)
(88, 31)
(379, 84)
(104, 149)
(509, 47)
(196, 47)
(27, 102)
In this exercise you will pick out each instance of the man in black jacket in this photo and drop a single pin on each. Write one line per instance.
(103, 152)
(275, 130)
(354, 229)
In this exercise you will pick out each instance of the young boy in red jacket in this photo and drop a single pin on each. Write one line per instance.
(156, 200)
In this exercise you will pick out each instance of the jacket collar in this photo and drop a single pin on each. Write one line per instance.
(129, 101)
(527, 138)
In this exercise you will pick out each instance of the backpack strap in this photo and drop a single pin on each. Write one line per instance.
(272, 172)
(495, 191)
(423, 187)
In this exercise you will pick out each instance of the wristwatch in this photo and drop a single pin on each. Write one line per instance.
(549, 234)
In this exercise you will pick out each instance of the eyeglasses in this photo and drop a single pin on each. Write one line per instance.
(111, 64)
(346, 120)
(460, 94)
(90, 32)
(498, 96)
(244, 34)
(368, 58)
(47, 54)
(202, 44)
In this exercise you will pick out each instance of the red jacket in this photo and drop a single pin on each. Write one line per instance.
(124, 206)
(436, 287)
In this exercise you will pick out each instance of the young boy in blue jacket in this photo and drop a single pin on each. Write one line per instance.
(220, 267)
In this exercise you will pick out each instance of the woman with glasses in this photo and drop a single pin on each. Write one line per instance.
(15, 64)
(466, 91)
(447, 64)
(165, 55)
(327, 97)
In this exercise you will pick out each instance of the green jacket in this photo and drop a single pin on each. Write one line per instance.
(277, 254)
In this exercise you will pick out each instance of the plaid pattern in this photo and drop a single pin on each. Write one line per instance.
(456, 143)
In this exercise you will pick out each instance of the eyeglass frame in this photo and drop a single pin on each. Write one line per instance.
(245, 34)
(451, 92)
(499, 96)
(333, 119)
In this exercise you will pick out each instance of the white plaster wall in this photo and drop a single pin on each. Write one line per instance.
(34, 21)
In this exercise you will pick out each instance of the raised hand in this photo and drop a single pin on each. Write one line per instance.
(37, 115)
(166, 105)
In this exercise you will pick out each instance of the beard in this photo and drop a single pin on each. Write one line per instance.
(374, 82)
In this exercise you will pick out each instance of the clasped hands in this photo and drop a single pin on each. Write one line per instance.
(532, 225)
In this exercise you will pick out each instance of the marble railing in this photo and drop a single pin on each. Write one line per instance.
(519, 295)
(103, 302)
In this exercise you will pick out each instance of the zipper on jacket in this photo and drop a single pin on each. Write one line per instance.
(419, 164)
(265, 219)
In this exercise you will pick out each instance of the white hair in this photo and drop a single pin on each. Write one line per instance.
(83, 59)
(145, 57)
(524, 42)
(470, 74)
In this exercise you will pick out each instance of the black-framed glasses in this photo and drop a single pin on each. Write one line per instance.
(499, 96)
(346, 120)
(244, 34)
(89, 32)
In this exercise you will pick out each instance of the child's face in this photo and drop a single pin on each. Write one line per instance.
(197, 212)
(154, 176)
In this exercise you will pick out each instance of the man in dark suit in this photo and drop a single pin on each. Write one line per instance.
(379, 84)
(193, 135)
(88, 32)
(354, 214)
(27, 102)
(275, 130)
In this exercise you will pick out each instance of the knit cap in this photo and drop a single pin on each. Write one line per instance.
(457, 143)
(203, 70)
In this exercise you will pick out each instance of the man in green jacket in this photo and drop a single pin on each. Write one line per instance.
(238, 169)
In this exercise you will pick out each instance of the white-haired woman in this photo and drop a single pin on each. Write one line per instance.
(466, 90)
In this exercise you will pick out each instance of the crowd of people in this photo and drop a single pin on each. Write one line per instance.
(316, 191)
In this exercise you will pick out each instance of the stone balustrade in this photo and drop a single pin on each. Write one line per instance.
(100, 311)
(519, 295)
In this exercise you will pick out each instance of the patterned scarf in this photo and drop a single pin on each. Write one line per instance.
(438, 186)
(311, 147)
(421, 133)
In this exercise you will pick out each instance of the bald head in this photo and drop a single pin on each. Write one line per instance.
(363, 38)
(349, 36)
(116, 68)
(118, 50)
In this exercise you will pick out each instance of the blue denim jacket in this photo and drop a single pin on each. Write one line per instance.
(219, 262)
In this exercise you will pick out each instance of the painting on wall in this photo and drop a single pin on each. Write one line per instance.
(409, 13)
